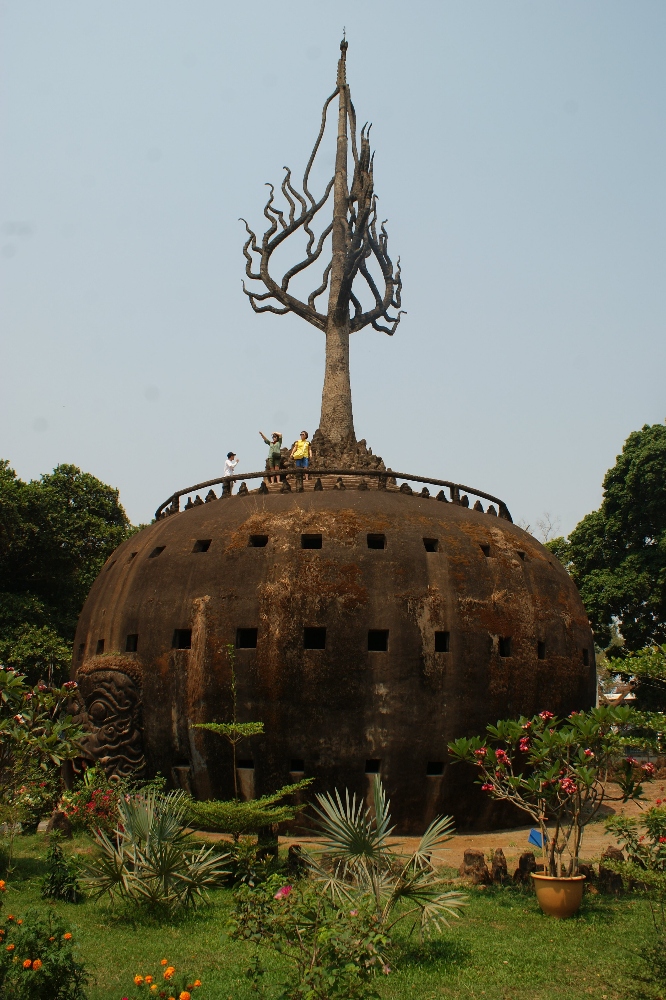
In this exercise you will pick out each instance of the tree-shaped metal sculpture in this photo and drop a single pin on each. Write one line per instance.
(356, 239)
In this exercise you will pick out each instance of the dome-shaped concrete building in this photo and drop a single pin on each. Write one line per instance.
(370, 624)
(370, 627)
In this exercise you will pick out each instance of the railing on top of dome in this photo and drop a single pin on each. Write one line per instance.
(386, 479)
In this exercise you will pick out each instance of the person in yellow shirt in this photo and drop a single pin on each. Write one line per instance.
(301, 452)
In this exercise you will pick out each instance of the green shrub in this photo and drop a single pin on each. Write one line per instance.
(151, 860)
(61, 881)
(333, 950)
(237, 818)
(37, 960)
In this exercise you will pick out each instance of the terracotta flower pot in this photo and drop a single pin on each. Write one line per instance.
(559, 897)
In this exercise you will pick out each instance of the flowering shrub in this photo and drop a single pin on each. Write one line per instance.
(167, 984)
(334, 950)
(36, 797)
(558, 770)
(37, 960)
(92, 803)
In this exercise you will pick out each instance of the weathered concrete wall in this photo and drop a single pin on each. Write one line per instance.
(336, 708)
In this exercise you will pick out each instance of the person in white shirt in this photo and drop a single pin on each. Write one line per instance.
(230, 465)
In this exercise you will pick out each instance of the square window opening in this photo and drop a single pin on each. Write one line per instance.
(202, 545)
(521, 555)
(586, 657)
(486, 550)
(182, 638)
(372, 766)
(297, 766)
(311, 541)
(505, 645)
(245, 765)
(100, 647)
(132, 643)
(156, 551)
(246, 638)
(435, 768)
(314, 638)
(431, 544)
(376, 541)
(258, 541)
(541, 650)
(378, 640)
(82, 647)
(442, 642)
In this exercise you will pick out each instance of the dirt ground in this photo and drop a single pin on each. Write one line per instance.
(514, 841)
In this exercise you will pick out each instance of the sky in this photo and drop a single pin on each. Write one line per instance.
(519, 159)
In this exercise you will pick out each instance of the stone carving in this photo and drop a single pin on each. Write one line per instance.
(442, 496)
(406, 488)
(478, 506)
(113, 719)
(210, 496)
(243, 489)
(491, 510)
(425, 492)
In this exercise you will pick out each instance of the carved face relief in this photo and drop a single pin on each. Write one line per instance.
(113, 710)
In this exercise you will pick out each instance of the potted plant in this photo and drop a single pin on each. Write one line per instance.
(558, 771)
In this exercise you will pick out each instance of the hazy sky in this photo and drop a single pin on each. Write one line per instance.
(520, 161)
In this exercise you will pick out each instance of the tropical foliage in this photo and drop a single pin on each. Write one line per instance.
(617, 554)
(62, 876)
(37, 960)
(354, 860)
(237, 817)
(151, 860)
(558, 771)
(334, 951)
(55, 534)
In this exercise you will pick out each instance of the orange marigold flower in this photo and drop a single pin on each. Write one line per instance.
(138, 980)
(10, 947)
(51, 939)
(3, 885)
(27, 963)
(169, 971)
(37, 964)
(164, 962)
(185, 996)
(10, 916)
(149, 979)
(153, 987)
(67, 936)
(19, 922)
(197, 982)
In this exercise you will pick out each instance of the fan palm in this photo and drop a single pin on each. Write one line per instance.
(150, 859)
(354, 857)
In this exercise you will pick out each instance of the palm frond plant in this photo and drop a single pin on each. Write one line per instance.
(151, 860)
(354, 858)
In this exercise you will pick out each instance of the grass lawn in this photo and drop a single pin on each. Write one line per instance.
(502, 949)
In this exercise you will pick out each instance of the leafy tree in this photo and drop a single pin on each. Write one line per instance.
(617, 554)
(55, 535)
(237, 817)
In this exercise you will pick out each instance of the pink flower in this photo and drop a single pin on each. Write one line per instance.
(481, 753)
(524, 744)
(487, 787)
(658, 802)
(528, 725)
(283, 892)
(632, 761)
(546, 716)
(502, 757)
(649, 768)
(588, 753)
(662, 840)
(70, 685)
(568, 786)
(19, 719)
(386, 969)
(353, 913)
